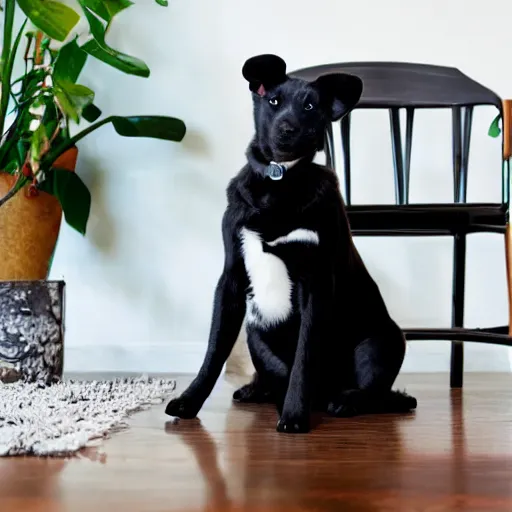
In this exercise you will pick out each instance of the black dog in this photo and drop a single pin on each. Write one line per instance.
(319, 333)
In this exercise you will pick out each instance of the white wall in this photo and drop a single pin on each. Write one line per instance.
(140, 285)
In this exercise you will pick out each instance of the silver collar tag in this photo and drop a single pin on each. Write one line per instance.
(275, 171)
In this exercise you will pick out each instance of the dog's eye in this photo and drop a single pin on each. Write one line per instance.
(274, 102)
(308, 106)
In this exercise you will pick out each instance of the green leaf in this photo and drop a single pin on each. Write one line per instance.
(91, 112)
(50, 118)
(156, 127)
(13, 137)
(22, 147)
(10, 156)
(11, 167)
(107, 9)
(30, 83)
(122, 62)
(38, 144)
(9, 10)
(73, 98)
(98, 48)
(494, 129)
(8, 151)
(7, 67)
(74, 197)
(53, 18)
(69, 63)
(164, 3)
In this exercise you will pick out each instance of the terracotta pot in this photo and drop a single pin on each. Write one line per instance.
(29, 228)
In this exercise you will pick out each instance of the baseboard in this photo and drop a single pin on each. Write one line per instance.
(186, 357)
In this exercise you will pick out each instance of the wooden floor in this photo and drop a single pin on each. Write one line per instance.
(453, 454)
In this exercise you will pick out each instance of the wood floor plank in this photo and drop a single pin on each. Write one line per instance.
(453, 454)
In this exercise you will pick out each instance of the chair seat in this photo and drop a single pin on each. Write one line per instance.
(427, 219)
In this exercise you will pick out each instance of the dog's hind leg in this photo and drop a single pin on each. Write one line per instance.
(354, 402)
(376, 366)
(269, 369)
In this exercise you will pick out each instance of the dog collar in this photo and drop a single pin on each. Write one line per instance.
(275, 171)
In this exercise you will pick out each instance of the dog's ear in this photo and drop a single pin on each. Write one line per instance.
(264, 72)
(341, 91)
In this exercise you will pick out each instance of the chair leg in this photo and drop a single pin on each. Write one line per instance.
(459, 272)
(506, 177)
(461, 132)
(508, 259)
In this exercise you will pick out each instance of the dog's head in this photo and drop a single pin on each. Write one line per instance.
(291, 114)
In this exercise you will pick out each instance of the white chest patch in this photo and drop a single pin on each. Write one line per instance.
(298, 235)
(270, 301)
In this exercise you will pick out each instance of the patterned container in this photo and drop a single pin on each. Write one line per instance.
(31, 331)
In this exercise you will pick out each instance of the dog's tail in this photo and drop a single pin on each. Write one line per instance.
(354, 402)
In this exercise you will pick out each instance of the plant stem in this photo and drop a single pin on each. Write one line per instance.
(14, 190)
(38, 59)
(8, 196)
(52, 156)
(10, 6)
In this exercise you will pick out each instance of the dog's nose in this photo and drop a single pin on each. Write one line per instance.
(287, 128)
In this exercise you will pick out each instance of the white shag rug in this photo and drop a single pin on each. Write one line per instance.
(61, 419)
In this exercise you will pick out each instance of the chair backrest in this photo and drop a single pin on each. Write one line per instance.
(396, 85)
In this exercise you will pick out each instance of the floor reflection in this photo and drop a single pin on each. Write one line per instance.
(255, 468)
(30, 478)
(204, 449)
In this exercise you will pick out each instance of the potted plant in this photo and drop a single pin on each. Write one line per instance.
(41, 113)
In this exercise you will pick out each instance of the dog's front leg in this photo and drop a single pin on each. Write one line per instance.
(227, 318)
(296, 408)
(228, 314)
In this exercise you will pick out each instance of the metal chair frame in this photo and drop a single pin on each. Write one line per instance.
(457, 219)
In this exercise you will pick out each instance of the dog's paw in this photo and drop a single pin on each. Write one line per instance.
(347, 405)
(341, 410)
(251, 393)
(246, 394)
(182, 407)
(293, 425)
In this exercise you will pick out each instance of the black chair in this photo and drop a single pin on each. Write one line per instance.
(400, 85)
